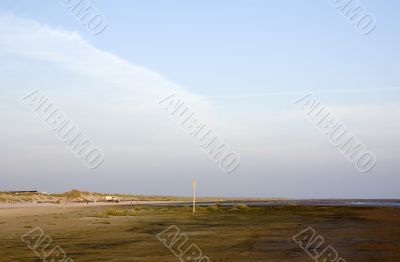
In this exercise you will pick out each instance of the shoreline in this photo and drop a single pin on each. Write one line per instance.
(395, 203)
(82, 204)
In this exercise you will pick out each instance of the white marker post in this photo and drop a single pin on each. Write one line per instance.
(194, 195)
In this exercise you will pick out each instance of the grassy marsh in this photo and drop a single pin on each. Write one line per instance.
(239, 233)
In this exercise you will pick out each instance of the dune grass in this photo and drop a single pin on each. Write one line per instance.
(212, 208)
(113, 211)
(120, 212)
(242, 206)
(224, 233)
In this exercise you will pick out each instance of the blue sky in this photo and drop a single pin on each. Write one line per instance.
(245, 61)
(219, 47)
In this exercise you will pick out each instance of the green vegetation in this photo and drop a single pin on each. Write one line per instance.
(241, 206)
(77, 194)
(223, 233)
(212, 208)
(82, 196)
(23, 197)
(72, 194)
(120, 212)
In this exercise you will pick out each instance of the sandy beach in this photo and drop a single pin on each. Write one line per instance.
(35, 206)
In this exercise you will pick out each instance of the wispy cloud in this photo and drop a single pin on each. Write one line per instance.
(116, 102)
(294, 93)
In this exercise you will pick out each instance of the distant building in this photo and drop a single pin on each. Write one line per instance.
(21, 192)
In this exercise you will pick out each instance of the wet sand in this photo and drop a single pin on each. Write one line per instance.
(223, 234)
(81, 204)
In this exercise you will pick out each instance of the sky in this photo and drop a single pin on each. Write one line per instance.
(239, 65)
